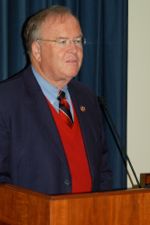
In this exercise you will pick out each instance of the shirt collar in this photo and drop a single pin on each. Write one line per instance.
(48, 89)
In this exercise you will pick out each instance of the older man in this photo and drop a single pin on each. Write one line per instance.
(51, 133)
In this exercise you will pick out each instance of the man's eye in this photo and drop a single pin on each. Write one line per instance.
(63, 42)
(78, 41)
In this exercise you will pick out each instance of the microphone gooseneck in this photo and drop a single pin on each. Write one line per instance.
(116, 137)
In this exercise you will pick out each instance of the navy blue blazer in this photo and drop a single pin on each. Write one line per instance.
(31, 152)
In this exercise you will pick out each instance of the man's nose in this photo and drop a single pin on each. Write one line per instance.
(72, 45)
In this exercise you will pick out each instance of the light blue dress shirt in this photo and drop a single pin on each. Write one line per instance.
(51, 92)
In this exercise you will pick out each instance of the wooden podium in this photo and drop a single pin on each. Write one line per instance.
(23, 207)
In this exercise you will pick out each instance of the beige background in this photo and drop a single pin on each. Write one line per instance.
(138, 124)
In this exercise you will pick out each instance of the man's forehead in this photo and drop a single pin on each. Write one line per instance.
(60, 19)
(60, 23)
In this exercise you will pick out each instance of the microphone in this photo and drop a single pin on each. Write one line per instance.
(115, 135)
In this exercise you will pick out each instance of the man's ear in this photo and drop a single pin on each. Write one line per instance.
(36, 51)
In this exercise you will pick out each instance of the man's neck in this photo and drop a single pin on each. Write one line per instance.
(60, 84)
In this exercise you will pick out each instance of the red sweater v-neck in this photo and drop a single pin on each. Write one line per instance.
(75, 153)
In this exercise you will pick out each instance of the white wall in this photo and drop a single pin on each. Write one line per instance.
(138, 127)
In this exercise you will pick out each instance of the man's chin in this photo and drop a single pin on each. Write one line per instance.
(71, 76)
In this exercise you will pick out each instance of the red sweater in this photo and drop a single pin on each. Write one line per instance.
(75, 152)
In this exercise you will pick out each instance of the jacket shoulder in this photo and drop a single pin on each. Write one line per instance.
(82, 91)
(12, 90)
(81, 88)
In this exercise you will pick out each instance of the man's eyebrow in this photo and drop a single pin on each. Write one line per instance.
(62, 37)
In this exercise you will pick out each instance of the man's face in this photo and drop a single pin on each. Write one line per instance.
(60, 63)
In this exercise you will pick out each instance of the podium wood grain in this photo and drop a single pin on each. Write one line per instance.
(23, 207)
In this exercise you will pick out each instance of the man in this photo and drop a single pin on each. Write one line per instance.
(51, 134)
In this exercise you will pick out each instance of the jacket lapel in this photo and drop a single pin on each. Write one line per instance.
(37, 102)
(82, 109)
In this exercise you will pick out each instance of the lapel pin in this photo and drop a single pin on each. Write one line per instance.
(82, 108)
